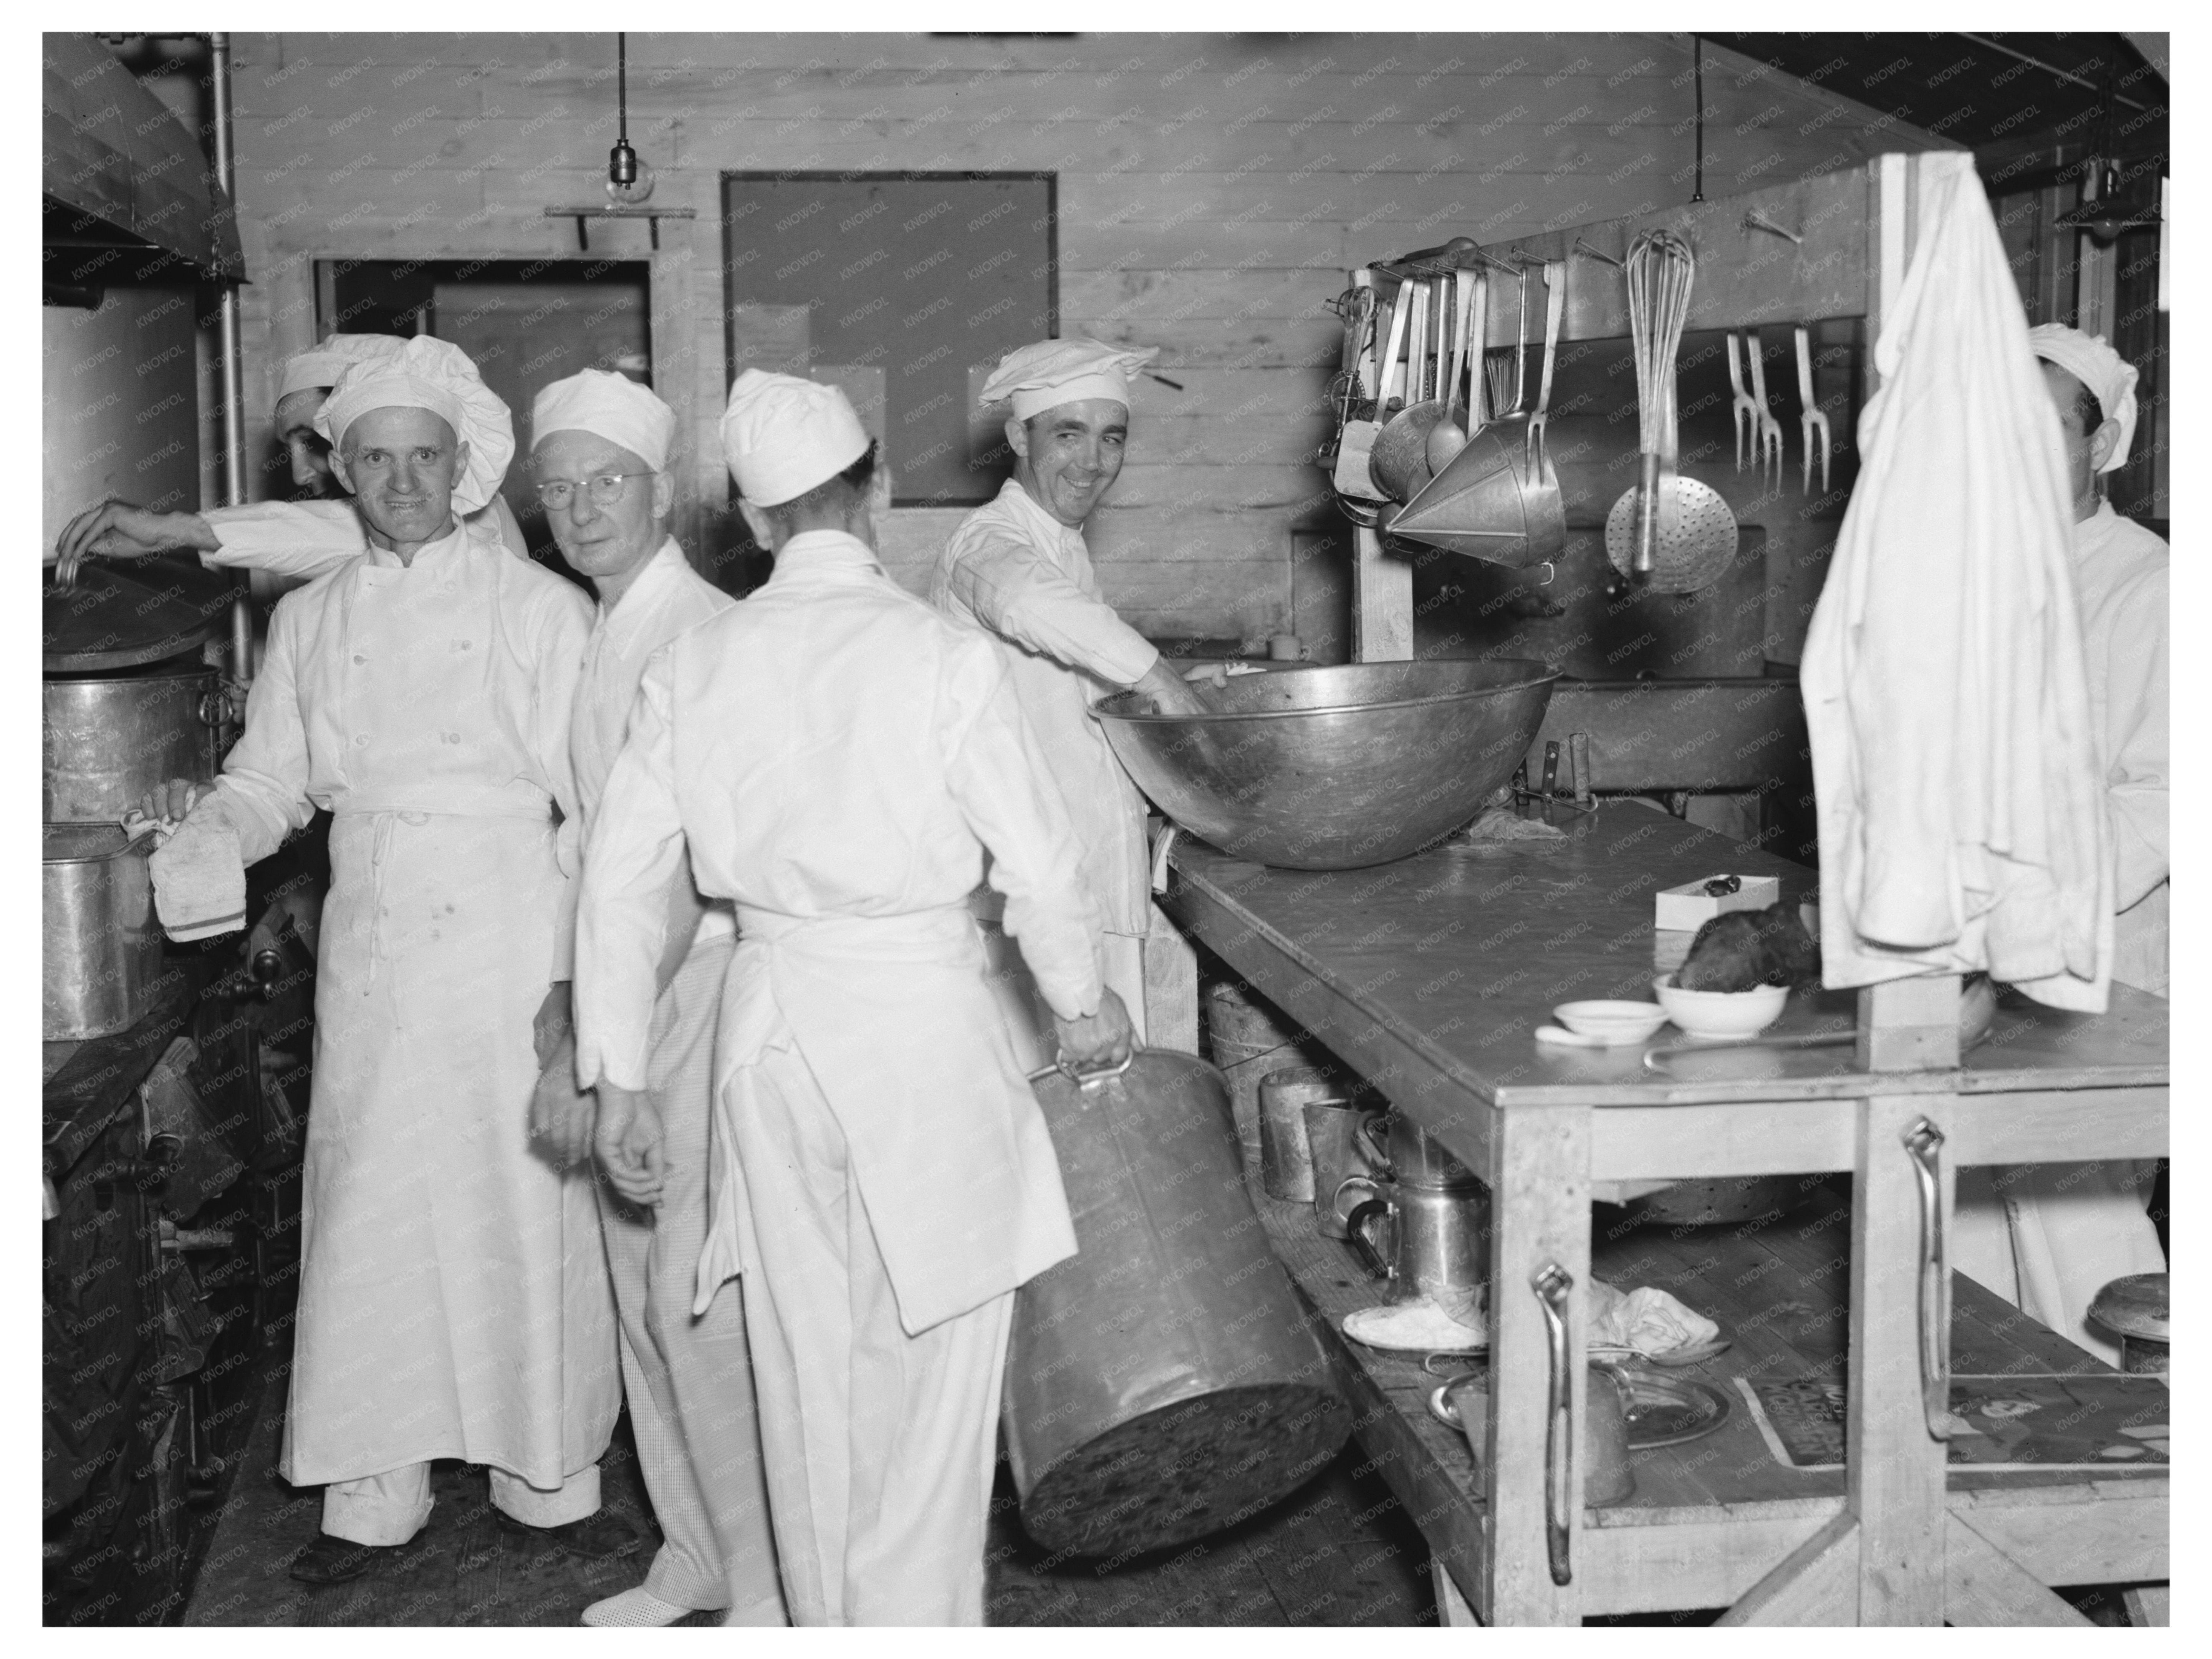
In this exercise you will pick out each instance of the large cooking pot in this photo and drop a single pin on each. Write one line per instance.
(1163, 1382)
(110, 738)
(102, 942)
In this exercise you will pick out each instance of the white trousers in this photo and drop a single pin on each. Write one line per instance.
(690, 1379)
(391, 1508)
(880, 1446)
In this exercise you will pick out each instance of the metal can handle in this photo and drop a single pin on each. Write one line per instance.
(1552, 1282)
(1080, 1077)
(1370, 1213)
(1924, 1144)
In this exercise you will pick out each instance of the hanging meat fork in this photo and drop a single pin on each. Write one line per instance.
(1744, 412)
(1766, 440)
(1813, 418)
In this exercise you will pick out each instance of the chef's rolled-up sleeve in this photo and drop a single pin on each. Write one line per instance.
(1016, 593)
(2138, 734)
(300, 539)
(636, 851)
(998, 775)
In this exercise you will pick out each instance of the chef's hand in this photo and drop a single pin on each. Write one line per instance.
(630, 1145)
(117, 530)
(174, 799)
(1169, 693)
(1105, 1038)
(560, 1115)
(552, 1023)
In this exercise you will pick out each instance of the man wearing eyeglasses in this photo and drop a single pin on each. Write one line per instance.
(598, 458)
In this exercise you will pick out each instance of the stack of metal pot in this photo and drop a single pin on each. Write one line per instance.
(130, 702)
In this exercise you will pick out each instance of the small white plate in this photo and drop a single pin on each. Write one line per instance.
(1611, 1021)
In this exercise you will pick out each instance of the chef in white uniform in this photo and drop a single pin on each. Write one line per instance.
(293, 540)
(2049, 1236)
(454, 1297)
(1017, 568)
(600, 459)
(837, 758)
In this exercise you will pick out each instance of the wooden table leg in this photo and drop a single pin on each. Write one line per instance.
(1896, 1467)
(1538, 1178)
(1170, 987)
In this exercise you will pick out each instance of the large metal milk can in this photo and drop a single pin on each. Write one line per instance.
(1163, 1382)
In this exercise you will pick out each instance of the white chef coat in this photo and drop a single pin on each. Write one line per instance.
(1962, 815)
(1021, 575)
(838, 755)
(302, 540)
(453, 1294)
(2120, 582)
(665, 597)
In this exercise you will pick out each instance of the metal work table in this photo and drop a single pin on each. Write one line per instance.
(1429, 977)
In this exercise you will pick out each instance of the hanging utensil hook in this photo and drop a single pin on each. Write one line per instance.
(1754, 220)
(1589, 253)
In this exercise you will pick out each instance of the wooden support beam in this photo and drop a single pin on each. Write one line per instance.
(1542, 1158)
(1897, 1475)
(1984, 1587)
(1816, 1583)
(1910, 1025)
(1170, 987)
(1381, 601)
(1453, 1612)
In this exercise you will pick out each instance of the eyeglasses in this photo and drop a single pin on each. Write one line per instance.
(604, 491)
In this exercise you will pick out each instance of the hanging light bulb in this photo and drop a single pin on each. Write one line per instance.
(630, 181)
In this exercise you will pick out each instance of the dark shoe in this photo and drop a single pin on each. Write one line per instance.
(331, 1560)
(602, 1536)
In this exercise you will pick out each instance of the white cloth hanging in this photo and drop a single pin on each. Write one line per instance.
(1962, 812)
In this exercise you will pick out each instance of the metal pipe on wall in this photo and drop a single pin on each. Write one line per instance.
(234, 362)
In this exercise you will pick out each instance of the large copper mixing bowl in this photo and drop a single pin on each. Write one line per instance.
(1335, 768)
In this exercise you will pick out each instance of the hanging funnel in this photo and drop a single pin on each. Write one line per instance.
(1495, 500)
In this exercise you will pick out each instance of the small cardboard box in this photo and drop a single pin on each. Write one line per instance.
(1690, 907)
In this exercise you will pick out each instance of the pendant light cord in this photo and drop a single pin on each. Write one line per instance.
(622, 88)
(1698, 47)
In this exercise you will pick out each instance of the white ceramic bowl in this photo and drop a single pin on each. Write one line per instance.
(1721, 1013)
(1612, 1022)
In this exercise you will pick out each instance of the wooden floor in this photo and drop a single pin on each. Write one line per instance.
(1339, 1551)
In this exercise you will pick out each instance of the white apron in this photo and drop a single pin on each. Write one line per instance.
(453, 1293)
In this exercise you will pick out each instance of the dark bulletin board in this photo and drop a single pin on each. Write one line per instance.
(926, 276)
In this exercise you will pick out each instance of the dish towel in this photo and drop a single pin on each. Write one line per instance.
(1962, 818)
(199, 875)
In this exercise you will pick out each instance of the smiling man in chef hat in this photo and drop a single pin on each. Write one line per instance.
(2049, 1236)
(293, 541)
(598, 456)
(838, 757)
(1017, 567)
(453, 1298)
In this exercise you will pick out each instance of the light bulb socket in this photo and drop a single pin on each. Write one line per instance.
(621, 163)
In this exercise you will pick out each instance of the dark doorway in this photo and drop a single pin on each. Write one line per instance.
(526, 323)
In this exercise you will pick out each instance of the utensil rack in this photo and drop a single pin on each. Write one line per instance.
(1833, 246)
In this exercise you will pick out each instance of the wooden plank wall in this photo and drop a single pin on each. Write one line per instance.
(1214, 191)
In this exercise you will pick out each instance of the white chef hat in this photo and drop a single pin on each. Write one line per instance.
(318, 368)
(1055, 372)
(428, 372)
(782, 435)
(2097, 366)
(609, 406)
